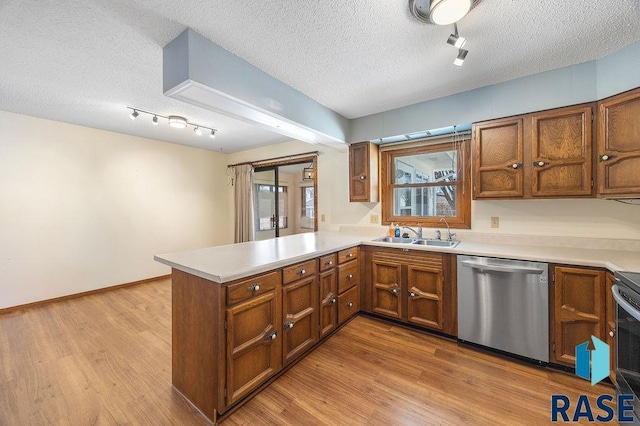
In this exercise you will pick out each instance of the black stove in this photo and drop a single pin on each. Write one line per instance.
(630, 279)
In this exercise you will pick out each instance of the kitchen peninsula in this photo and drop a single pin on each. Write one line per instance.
(242, 313)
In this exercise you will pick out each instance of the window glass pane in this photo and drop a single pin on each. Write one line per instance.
(425, 201)
(265, 207)
(429, 167)
(308, 208)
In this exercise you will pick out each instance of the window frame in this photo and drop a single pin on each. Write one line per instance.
(462, 220)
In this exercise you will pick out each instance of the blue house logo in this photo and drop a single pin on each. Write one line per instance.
(592, 364)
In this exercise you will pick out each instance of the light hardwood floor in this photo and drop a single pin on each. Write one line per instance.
(106, 359)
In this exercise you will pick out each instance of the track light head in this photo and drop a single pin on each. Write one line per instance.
(154, 120)
(197, 130)
(212, 135)
(134, 115)
(462, 54)
(455, 40)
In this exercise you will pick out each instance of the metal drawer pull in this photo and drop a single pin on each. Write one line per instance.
(329, 262)
(272, 335)
(302, 272)
(515, 166)
(288, 325)
(349, 254)
(363, 177)
(253, 288)
(539, 164)
(394, 291)
(412, 294)
(350, 304)
(606, 157)
(349, 276)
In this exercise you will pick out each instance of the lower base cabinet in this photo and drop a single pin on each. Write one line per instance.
(229, 339)
(413, 286)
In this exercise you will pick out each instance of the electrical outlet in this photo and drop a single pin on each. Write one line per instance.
(322, 218)
(373, 218)
(495, 222)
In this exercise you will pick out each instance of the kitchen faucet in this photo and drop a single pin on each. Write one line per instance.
(449, 234)
(418, 232)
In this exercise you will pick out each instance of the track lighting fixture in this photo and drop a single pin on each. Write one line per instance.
(175, 121)
(445, 12)
(462, 54)
(455, 40)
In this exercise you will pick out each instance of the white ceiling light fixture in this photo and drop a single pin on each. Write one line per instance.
(441, 12)
(174, 121)
(462, 54)
(455, 40)
(177, 122)
(445, 12)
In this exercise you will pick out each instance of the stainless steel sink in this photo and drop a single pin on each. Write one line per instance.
(397, 240)
(437, 243)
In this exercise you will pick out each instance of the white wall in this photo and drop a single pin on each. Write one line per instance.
(82, 209)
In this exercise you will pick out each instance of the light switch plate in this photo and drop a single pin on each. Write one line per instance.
(373, 218)
(322, 218)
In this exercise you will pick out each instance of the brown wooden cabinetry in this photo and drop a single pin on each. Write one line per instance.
(363, 172)
(578, 310)
(610, 327)
(540, 155)
(618, 152)
(412, 286)
(328, 314)
(348, 283)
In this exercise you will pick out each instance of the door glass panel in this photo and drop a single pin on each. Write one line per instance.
(265, 204)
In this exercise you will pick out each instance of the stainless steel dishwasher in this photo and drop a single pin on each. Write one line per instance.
(504, 304)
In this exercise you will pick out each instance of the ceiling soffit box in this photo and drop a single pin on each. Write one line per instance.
(200, 72)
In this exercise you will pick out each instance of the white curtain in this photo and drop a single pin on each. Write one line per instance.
(244, 230)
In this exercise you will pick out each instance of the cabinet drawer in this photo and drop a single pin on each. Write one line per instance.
(255, 286)
(299, 270)
(348, 304)
(348, 276)
(328, 262)
(347, 255)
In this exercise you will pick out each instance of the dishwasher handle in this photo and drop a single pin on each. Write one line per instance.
(502, 268)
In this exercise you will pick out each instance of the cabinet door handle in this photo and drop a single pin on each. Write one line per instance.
(272, 335)
(349, 276)
(332, 300)
(612, 333)
(363, 177)
(302, 272)
(515, 166)
(329, 262)
(253, 288)
(395, 291)
(349, 305)
(605, 157)
(288, 325)
(539, 164)
(412, 294)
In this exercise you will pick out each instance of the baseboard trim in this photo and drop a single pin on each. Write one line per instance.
(76, 295)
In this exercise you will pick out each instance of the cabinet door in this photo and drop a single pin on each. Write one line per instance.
(425, 296)
(618, 154)
(561, 156)
(363, 172)
(579, 309)
(328, 302)
(253, 344)
(386, 288)
(300, 317)
(610, 315)
(498, 162)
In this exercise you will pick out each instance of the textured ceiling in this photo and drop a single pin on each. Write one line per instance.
(84, 61)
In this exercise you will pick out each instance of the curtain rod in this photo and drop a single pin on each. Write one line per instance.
(303, 154)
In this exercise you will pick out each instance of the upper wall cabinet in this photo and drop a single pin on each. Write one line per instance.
(363, 172)
(618, 153)
(546, 154)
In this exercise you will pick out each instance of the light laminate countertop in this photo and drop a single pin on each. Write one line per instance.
(226, 263)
